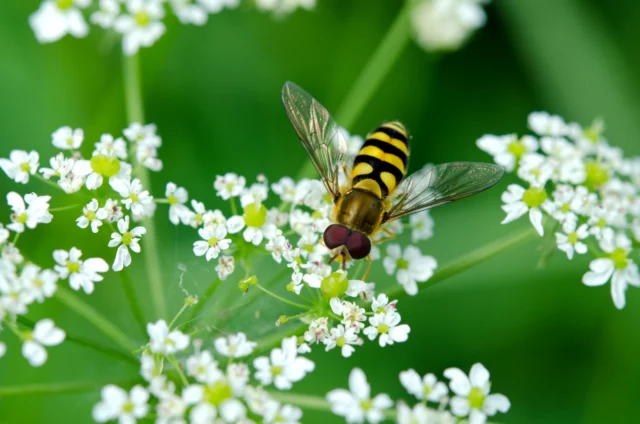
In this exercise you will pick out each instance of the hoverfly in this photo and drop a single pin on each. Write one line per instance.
(377, 191)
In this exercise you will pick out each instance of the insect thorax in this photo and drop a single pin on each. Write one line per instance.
(360, 210)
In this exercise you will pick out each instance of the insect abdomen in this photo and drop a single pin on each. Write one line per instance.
(382, 161)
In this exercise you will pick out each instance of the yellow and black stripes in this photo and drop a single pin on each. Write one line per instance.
(382, 161)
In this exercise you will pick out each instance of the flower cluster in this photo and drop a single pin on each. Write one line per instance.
(579, 189)
(471, 398)
(139, 22)
(214, 384)
(446, 24)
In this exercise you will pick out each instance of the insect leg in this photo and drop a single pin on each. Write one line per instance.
(366, 273)
(390, 236)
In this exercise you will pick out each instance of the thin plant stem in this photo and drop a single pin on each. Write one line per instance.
(455, 267)
(48, 182)
(315, 403)
(94, 317)
(202, 301)
(173, 321)
(282, 299)
(64, 208)
(173, 361)
(57, 388)
(372, 75)
(234, 207)
(129, 291)
(135, 113)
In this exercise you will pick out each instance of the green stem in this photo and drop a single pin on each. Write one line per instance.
(135, 113)
(371, 77)
(49, 182)
(173, 361)
(57, 388)
(95, 318)
(129, 291)
(64, 208)
(173, 321)
(315, 403)
(471, 259)
(234, 207)
(202, 301)
(282, 299)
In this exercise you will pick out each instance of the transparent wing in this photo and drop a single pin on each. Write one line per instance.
(321, 136)
(442, 184)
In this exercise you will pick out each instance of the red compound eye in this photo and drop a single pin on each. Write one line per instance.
(358, 245)
(335, 236)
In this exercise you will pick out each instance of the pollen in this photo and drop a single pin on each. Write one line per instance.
(534, 197)
(24, 166)
(73, 267)
(142, 18)
(382, 328)
(476, 398)
(217, 393)
(64, 4)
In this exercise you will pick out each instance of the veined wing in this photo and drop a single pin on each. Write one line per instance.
(321, 136)
(442, 184)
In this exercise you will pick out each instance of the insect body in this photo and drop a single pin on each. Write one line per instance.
(377, 192)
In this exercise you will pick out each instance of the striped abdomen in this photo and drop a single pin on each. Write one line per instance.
(382, 161)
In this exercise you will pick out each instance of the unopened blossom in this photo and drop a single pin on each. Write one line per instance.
(105, 16)
(229, 185)
(213, 242)
(117, 404)
(177, 197)
(134, 196)
(423, 388)
(387, 328)
(28, 212)
(318, 331)
(234, 345)
(166, 342)
(20, 165)
(142, 26)
(254, 223)
(472, 398)
(92, 215)
(283, 367)
(410, 266)
(616, 266)
(356, 404)
(81, 274)
(125, 240)
(446, 24)
(44, 333)
(225, 267)
(518, 201)
(66, 138)
(570, 239)
(101, 166)
(56, 18)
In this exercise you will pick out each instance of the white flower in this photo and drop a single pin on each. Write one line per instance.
(507, 149)
(229, 185)
(66, 138)
(177, 197)
(257, 193)
(255, 221)
(536, 169)
(616, 266)
(134, 196)
(386, 326)
(202, 367)
(446, 24)
(36, 211)
(420, 414)
(116, 403)
(381, 305)
(80, 273)
(142, 26)
(213, 242)
(147, 143)
(278, 246)
(234, 345)
(231, 410)
(92, 214)
(285, 188)
(165, 342)
(125, 240)
(4, 234)
(423, 388)
(352, 314)
(569, 239)
(284, 7)
(38, 284)
(56, 18)
(411, 266)
(344, 338)
(472, 396)
(421, 226)
(170, 410)
(225, 267)
(544, 124)
(190, 12)
(101, 165)
(355, 404)
(283, 367)
(44, 333)
(110, 147)
(518, 201)
(20, 165)
(106, 15)
(3, 349)
(283, 414)
(318, 330)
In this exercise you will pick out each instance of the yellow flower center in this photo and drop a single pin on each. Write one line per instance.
(276, 370)
(64, 4)
(198, 218)
(127, 407)
(21, 218)
(402, 263)
(24, 166)
(218, 392)
(427, 390)
(73, 267)
(383, 328)
(38, 283)
(142, 18)
(173, 200)
(619, 258)
(133, 197)
(341, 341)
(213, 241)
(104, 165)
(565, 208)
(517, 149)
(596, 175)
(334, 285)
(534, 196)
(572, 238)
(476, 398)
(255, 215)
(91, 215)
(366, 404)
(127, 238)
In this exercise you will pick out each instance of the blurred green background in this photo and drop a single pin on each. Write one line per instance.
(560, 351)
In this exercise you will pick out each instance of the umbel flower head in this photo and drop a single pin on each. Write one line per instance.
(582, 188)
